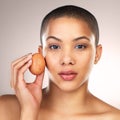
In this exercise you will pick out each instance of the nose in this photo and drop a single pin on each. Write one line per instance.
(67, 59)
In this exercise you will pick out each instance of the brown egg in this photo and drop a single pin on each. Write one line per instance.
(38, 64)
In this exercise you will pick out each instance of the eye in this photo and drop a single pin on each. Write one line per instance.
(80, 46)
(54, 47)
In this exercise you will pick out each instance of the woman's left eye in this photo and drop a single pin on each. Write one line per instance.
(80, 46)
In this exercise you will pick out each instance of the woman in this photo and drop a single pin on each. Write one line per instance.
(70, 45)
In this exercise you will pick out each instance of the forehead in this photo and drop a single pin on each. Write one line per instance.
(64, 21)
(67, 28)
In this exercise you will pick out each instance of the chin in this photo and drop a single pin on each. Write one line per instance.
(68, 87)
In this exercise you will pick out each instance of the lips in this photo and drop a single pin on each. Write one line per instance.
(68, 75)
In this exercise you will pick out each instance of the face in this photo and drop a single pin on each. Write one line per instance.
(70, 52)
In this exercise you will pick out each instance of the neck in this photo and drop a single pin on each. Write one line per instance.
(63, 101)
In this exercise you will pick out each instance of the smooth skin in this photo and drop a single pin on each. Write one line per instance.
(68, 47)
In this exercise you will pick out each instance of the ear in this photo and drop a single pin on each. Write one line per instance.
(98, 53)
(39, 49)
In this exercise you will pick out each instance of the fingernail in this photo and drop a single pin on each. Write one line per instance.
(29, 56)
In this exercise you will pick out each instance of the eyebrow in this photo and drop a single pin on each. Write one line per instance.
(53, 37)
(82, 37)
(76, 39)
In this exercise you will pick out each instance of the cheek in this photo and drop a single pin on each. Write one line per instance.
(86, 61)
(51, 61)
(90, 58)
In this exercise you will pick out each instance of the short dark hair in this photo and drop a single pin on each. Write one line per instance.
(74, 12)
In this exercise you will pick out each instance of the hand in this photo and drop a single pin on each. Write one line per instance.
(28, 94)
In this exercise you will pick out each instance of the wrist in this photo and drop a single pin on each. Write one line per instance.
(28, 114)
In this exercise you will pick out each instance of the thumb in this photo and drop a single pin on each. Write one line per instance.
(39, 79)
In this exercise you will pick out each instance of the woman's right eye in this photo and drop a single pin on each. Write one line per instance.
(54, 47)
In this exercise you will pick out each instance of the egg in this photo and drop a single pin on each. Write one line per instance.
(38, 64)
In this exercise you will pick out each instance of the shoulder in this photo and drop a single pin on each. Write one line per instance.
(115, 114)
(107, 111)
(9, 107)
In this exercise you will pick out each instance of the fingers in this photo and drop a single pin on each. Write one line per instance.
(39, 80)
(18, 68)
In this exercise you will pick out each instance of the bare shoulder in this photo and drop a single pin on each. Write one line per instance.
(115, 114)
(108, 112)
(9, 107)
(112, 114)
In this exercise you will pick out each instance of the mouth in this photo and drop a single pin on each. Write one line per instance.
(67, 75)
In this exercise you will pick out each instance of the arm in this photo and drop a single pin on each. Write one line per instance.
(28, 115)
(29, 95)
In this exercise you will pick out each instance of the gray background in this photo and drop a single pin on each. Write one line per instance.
(19, 34)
